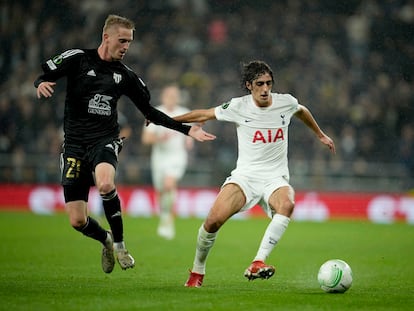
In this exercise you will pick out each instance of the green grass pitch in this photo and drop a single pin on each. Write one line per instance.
(46, 265)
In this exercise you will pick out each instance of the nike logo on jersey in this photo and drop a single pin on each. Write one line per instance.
(248, 121)
(91, 73)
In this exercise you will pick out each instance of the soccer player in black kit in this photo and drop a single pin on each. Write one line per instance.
(96, 79)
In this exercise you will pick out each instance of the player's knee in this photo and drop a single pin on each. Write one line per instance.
(286, 208)
(169, 184)
(212, 225)
(77, 223)
(105, 188)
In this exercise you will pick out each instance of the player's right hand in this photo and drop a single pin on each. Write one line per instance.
(199, 134)
(45, 89)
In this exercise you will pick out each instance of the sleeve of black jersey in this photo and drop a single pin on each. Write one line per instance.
(59, 66)
(140, 96)
(158, 117)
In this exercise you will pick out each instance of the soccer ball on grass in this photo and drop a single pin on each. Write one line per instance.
(335, 276)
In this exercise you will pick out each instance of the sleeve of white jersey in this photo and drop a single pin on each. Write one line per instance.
(227, 111)
(294, 103)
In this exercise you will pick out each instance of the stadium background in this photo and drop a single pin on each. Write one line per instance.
(350, 62)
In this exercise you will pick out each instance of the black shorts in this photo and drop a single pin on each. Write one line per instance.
(77, 165)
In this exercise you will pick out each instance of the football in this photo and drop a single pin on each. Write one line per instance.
(335, 276)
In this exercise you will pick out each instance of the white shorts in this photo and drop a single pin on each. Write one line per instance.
(162, 170)
(257, 191)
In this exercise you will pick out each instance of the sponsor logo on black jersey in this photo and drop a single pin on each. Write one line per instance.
(100, 104)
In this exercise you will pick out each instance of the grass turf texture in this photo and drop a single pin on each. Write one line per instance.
(46, 265)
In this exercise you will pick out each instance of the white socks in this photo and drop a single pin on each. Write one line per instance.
(166, 204)
(272, 235)
(205, 241)
(119, 245)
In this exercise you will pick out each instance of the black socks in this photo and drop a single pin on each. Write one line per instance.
(93, 230)
(112, 208)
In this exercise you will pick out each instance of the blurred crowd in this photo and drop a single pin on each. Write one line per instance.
(350, 62)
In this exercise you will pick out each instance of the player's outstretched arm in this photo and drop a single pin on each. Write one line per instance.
(196, 116)
(306, 116)
(197, 132)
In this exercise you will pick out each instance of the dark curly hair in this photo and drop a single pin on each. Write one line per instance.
(252, 70)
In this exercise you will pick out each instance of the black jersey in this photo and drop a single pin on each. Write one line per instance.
(94, 87)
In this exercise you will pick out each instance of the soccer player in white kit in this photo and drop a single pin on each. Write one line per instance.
(261, 175)
(169, 157)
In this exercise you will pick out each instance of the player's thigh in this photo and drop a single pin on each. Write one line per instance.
(169, 183)
(229, 201)
(172, 174)
(75, 171)
(76, 199)
(105, 177)
(104, 158)
(282, 200)
(157, 175)
(76, 177)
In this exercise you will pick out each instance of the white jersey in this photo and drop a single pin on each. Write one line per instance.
(262, 134)
(172, 151)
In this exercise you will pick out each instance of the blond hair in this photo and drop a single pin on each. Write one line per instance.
(116, 20)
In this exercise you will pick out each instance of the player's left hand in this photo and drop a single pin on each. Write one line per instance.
(326, 140)
(45, 89)
(197, 132)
